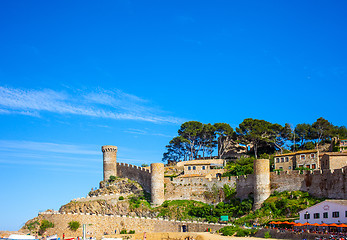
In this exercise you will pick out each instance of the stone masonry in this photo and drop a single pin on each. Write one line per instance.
(110, 160)
(97, 225)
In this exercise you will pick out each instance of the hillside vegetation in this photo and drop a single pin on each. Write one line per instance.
(280, 206)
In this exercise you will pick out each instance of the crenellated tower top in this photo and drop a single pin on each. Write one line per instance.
(109, 148)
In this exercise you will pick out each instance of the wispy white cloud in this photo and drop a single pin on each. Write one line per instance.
(12, 145)
(144, 132)
(101, 104)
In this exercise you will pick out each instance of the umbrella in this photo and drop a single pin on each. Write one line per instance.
(333, 225)
(315, 224)
(292, 223)
(298, 225)
(306, 224)
(286, 222)
(324, 225)
(342, 225)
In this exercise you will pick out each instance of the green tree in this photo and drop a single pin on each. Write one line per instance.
(254, 132)
(322, 129)
(177, 150)
(207, 139)
(191, 131)
(45, 224)
(304, 132)
(74, 225)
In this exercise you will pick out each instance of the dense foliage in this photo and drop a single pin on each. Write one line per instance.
(196, 138)
(74, 225)
(282, 205)
(45, 224)
(241, 166)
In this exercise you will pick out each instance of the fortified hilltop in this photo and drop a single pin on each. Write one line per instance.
(320, 183)
(109, 207)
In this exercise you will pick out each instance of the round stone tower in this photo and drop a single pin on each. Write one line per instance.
(110, 160)
(261, 181)
(157, 183)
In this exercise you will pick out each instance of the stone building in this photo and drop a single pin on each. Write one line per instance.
(290, 161)
(212, 168)
(333, 160)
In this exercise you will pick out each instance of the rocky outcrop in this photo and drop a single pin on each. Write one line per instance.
(119, 197)
(109, 207)
(118, 186)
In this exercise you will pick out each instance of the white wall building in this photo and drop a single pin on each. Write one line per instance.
(329, 211)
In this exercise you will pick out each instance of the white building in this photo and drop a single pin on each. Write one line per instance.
(329, 211)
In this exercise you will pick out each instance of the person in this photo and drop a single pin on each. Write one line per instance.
(115, 231)
(144, 236)
(63, 236)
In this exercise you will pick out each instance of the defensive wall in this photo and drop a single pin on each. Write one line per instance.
(136, 173)
(97, 225)
(319, 183)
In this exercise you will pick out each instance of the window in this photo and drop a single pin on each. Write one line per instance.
(313, 155)
(282, 159)
(281, 167)
(277, 160)
(289, 167)
(325, 215)
(316, 215)
(346, 214)
(308, 165)
(313, 166)
(302, 157)
(300, 166)
(306, 216)
(287, 159)
(203, 167)
(189, 168)
(336, 214)
(194, 168)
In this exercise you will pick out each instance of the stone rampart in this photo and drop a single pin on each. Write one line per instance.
(97, 225)
(326, 183)
(136, 173)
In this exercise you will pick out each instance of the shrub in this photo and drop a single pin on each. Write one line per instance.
(132, 232)
(123, 231)
(74, 225)
(267, 235)
(112, 178)
(32, 226)
(44, 225)
(121, 198)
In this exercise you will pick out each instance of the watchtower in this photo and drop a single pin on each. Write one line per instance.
(157, 183)
(261, 182)
(110, 161)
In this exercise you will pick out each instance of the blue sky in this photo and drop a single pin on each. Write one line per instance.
(76, 75)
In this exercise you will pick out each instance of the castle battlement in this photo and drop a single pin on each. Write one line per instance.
(134, 167)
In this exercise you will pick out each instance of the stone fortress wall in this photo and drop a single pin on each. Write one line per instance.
(136, 173)
(319, 183)
(97, 225)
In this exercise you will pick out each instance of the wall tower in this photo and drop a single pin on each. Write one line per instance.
(110, 161)
(261, 181)
(157, 183)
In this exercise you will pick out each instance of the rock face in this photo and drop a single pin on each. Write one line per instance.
(229, 148)
(120, 197)
(108, 207)
(119, 186)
